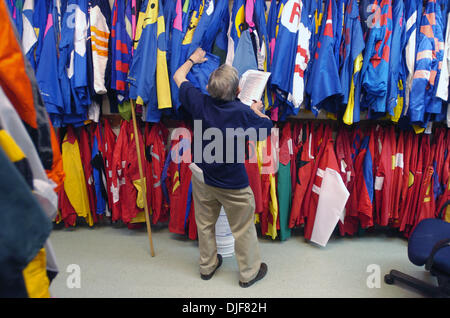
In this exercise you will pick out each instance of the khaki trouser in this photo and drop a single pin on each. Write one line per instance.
(239, 205)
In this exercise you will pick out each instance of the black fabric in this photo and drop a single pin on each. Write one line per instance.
(24, 168)
(13, 286)
(51, 275)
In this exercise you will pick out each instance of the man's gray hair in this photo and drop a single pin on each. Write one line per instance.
(223, 83)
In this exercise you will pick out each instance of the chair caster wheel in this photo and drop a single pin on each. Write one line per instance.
(388, 279)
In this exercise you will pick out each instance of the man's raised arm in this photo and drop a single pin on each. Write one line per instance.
(196, 58)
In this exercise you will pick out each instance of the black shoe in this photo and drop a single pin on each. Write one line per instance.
(262, 272)
(207, 277)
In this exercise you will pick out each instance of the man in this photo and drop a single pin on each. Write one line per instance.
(221, 182)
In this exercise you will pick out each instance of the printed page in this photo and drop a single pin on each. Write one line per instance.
(252, 86)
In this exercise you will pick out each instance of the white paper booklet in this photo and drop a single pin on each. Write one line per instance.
(252, 84)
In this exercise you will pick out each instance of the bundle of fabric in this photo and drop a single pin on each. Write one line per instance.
(177, 185)
(84, 52)
(390, 60)
(31, 173)
(389, 177)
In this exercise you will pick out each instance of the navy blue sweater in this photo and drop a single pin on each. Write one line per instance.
(215, 116)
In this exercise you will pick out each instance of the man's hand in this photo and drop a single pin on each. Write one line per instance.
(257, 107)
(198, 56)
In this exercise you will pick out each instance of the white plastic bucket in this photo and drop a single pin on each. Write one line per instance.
(224, 237)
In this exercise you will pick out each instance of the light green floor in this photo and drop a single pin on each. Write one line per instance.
(116, 262)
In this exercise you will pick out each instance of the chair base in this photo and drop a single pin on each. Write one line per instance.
(440, 291)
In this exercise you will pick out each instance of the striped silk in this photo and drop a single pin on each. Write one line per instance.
(99, 41)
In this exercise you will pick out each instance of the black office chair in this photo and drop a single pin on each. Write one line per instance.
(428, 245)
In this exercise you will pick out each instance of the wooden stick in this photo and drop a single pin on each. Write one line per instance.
(141, 174)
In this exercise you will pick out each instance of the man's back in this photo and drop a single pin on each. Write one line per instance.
(224, 128)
